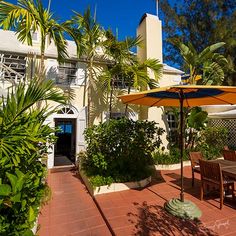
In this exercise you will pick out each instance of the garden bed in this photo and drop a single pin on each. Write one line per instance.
(172, 166)
(114, 187)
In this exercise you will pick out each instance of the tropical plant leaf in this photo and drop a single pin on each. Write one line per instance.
(5, 190)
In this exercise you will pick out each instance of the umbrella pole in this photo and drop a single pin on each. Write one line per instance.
(175, 206)
(181, 145)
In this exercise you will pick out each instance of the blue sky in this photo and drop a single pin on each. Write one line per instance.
(123, 15)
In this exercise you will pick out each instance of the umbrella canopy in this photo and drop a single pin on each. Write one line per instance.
(183, 96)
(191, 95)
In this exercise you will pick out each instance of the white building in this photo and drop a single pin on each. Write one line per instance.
(71, 119)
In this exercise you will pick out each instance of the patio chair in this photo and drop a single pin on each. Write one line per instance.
(211, 175)
(194, 158)
(226, 147)
(229, 155)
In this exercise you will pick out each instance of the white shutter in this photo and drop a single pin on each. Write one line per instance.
(81, 73)
(50, 162)
(81, 125)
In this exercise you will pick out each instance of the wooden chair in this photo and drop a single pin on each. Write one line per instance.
(226, 147)
(211, 175)
(194, 158)
(229, 155)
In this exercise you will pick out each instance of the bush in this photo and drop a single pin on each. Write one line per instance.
(168, 158)
(24, 140)
(120, 150)
(212, 141)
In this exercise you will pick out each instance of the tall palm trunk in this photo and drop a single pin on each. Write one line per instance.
(41, 68)
(126, 106)
(90, 69)
(42, 58)
(110, 99)
(85, 89)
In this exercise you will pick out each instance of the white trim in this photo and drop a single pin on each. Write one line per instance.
(51, 122)
(65, 116)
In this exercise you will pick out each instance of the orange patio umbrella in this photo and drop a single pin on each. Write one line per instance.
(183, 96)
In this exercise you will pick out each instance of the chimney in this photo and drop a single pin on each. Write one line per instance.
(150, 30)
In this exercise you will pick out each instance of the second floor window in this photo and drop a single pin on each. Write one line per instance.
(120, 83)
(15, 65)
(67, 73)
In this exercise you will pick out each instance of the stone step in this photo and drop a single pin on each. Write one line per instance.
(62, 168)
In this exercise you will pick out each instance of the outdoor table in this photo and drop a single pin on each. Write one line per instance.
(228, 167)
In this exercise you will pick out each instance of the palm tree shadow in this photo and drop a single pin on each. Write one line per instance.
(154, 219)
(188, 188)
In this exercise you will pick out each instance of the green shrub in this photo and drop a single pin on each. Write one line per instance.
(24, 139)
(168, 158)
(99, 180)
(120, 150)
(212, 141)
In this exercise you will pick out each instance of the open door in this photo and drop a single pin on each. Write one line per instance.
(65, 145)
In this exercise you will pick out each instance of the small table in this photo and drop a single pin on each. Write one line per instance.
(228, 167)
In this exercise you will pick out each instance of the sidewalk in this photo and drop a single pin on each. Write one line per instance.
(71, 210)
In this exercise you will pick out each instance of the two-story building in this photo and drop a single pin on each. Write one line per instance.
(14, 58)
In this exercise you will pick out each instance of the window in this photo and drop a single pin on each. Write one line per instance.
(65, 110)
(117, 115)
(67, 73)
(15, 66)
(173, 128)
(64, 128)
(120, 83)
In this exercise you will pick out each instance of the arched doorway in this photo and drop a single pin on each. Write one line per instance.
(65, 146)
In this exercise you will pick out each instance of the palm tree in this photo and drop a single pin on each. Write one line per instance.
(24, 141)
(29, 16)
(89, 38)
(127, 67)
(206, 67)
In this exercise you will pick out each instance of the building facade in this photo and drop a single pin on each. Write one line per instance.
(71, 119)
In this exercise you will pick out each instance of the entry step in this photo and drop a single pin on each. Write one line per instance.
(62, 168)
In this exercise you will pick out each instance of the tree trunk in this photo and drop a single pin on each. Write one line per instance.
(41, 72)
(126, 106)
(110, 100)
(85, 89)
(90, 69)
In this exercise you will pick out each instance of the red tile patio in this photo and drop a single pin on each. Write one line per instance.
(132, 212)
(140, 212)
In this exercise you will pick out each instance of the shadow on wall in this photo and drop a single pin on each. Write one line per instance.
(154, 219)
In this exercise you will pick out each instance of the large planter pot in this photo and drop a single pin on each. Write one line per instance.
(114, 187)
(172, 166)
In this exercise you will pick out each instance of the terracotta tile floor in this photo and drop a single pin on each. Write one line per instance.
(71, 210)
(140, 212)
(132, 212)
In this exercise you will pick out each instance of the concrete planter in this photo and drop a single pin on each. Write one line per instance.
(114, 187)
(172, 166)
(35, 228)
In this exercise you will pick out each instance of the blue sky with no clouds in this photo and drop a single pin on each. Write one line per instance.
(123, 15)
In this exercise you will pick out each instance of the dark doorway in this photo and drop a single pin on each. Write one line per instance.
(65, 145)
